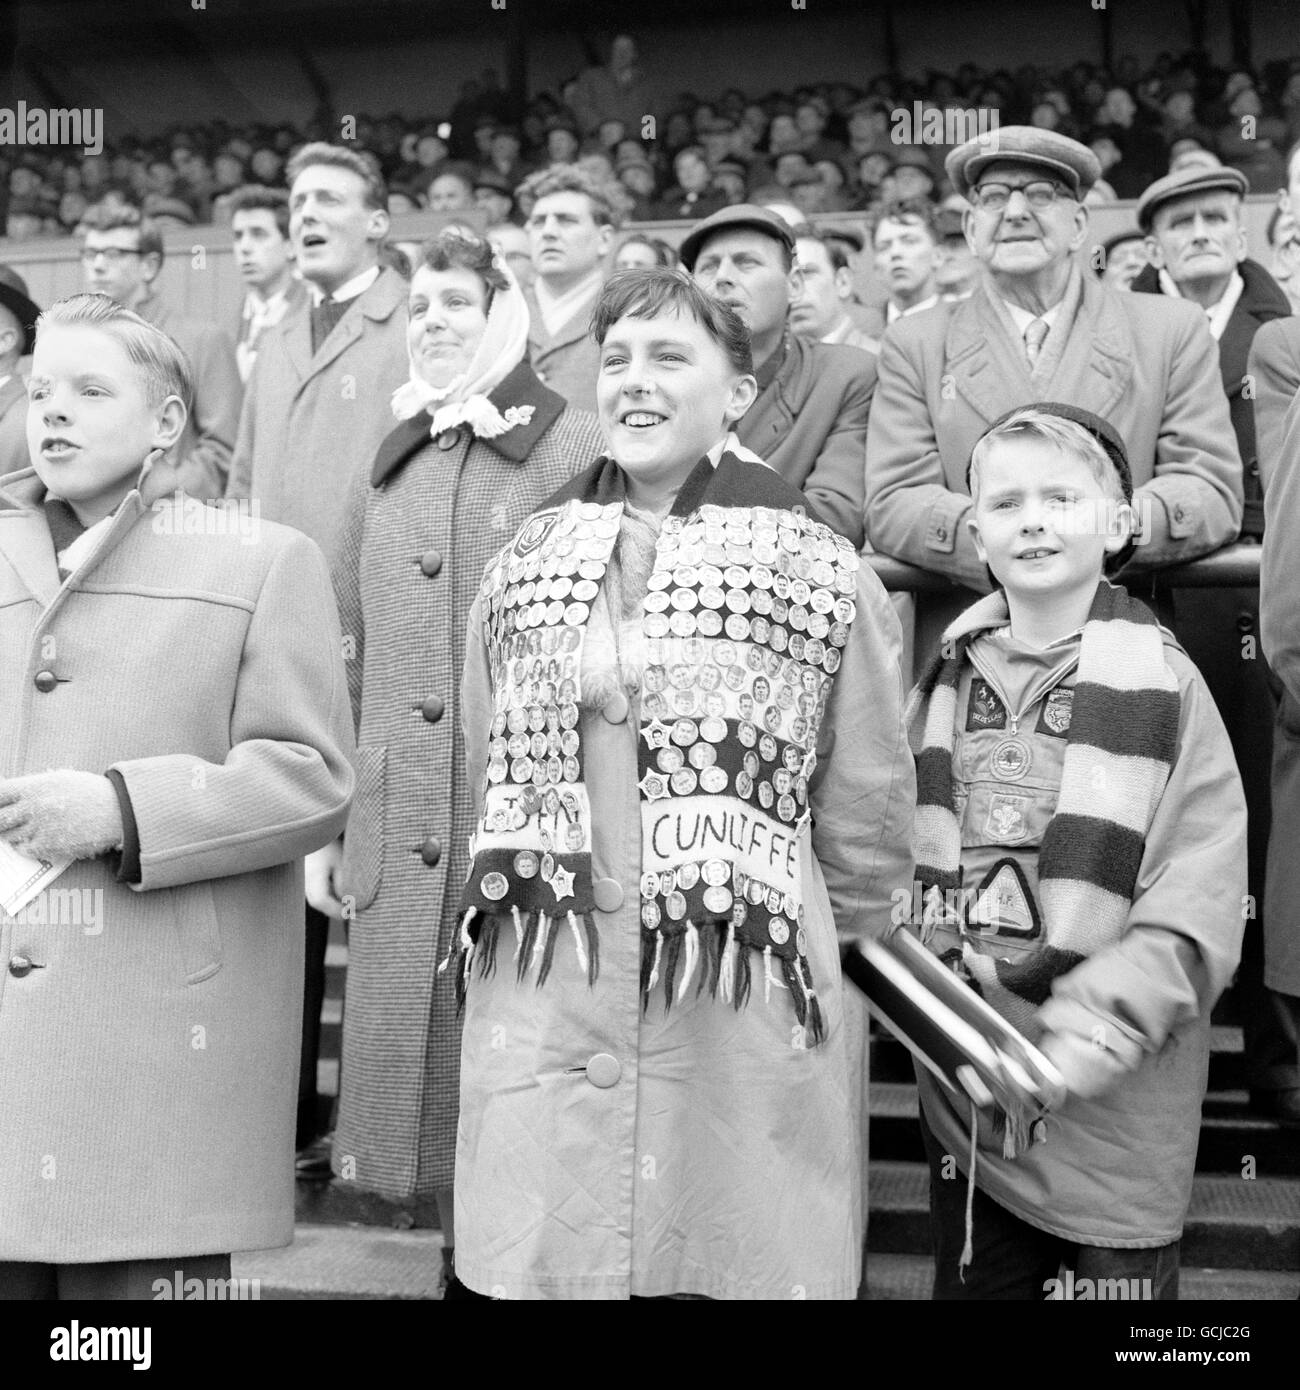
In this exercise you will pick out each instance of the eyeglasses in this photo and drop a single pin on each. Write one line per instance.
(112, 254)
(1039, 194)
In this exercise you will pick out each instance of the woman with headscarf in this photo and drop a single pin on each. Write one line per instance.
(480, 444)
(683, 715)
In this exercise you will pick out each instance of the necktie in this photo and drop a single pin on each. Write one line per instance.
(1035, 332)
(323, 318)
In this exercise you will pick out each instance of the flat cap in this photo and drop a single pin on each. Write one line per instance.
(1185, 183)
(1073, 164)
(741, 215)
(14, 297)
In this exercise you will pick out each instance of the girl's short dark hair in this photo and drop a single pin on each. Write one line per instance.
(457, 247)
(650, 294)
(664, 254)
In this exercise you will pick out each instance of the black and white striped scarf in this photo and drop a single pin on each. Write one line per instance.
(1120, 750)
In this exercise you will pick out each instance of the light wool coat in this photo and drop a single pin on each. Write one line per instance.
(459, 499)
(312, 421)
(721, 1159)
(1145, 363)
(148, 1069)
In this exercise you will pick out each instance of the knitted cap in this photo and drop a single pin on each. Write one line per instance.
(1104, 433)
(1101, 430)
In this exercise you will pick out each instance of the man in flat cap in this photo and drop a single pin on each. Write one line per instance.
(17, 316)
(1196, 244)
(1037, 328)
(810, 419)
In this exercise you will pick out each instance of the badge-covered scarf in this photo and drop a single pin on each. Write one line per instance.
(1120, 748)
(749, 606)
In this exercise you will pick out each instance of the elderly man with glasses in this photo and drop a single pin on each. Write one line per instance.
(1037, 328)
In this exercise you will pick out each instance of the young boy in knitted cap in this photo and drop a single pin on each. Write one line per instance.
(1080, 845)
(177, 726)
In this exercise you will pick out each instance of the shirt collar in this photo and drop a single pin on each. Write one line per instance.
(1218, 313)
(255, 304)
(358, 285)
(893, 312)
(558, 309)
(1022, 318)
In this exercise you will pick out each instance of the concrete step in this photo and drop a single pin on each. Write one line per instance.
(350, 1262)
(1232, 1136)
(1231, 1223)
(347, 1262)
(908, 1277)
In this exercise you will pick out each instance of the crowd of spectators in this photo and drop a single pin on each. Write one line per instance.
(824, 147)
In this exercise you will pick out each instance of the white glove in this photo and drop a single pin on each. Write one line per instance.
(60, 815)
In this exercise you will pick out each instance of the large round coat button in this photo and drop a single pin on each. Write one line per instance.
(603, 1070)
(432, 708)
(20, 966)
(616, 709)
(46, 681)
(431, 850)
(608, 893)
(430, 563)
(447, 439)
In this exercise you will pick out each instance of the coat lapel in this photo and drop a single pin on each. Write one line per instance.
(377, 303)
(1096, 366)
(520, 389)
(26, 544)
(987, 366)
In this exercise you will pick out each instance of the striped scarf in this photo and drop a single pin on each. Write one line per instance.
(1120, 749)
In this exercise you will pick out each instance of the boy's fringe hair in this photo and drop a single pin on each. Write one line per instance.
(162, 362)
(1070, 439)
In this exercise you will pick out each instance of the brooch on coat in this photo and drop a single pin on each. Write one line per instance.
(518, 415)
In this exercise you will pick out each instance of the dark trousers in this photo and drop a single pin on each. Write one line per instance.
(1014, 1260)
(116, 1279)
(313, 998)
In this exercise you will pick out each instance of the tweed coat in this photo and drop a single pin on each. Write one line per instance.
(419, 531)
(204, 449)
(1274, 370)
(148, 1068)
(1262, 300)
(13, 426)
(312, 421)
(1279, 603)
(1144, 362)
(810, 424)
(567, 360)
(717, 1154)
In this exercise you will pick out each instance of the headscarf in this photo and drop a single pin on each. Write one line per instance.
(465, 398)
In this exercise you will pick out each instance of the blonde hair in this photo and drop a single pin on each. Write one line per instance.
(163, 365)
(1065, 436)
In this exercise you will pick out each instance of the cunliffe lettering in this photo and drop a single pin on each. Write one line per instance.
(35, 125)
(713, 828)
(77, 1343)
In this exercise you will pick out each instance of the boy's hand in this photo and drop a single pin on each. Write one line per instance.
(60, 815)
(1092, 1053)
(321, 875)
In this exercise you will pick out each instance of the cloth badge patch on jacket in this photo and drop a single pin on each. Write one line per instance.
(1058, 707)
(1006, 822)
(1004, 904)
(984, 710)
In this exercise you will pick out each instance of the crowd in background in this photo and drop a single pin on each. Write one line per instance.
(825, 147)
